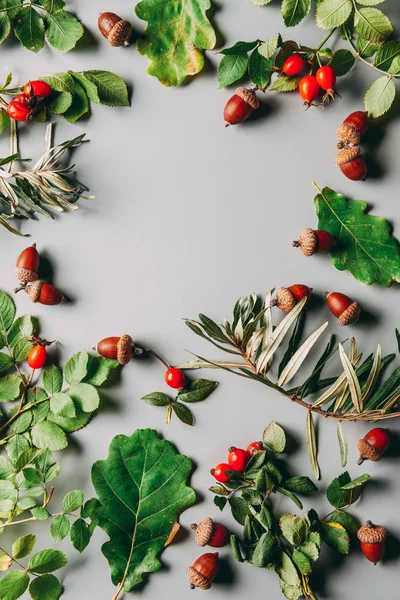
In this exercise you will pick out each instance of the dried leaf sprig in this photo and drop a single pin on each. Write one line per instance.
(357, 393)
(49, 184)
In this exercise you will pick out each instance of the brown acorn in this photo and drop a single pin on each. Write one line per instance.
(117, 348)
(372, 541)
(240, 106)
(348, 135)
(203, 571)
(287, 298)
(210, 533)
(373, 445)
(352, 165)
(27, 266)
(116, 30)
(343, 308)
(44, 293)
(314, 241)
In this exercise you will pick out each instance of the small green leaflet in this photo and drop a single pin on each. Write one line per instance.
(342, 61)
(380, 96)
(332, 13)
(274, 437)
(371, 24)
(294, 11)
(63, 30)
(29, 29)
(45, 587)
(231, 68)
(372, 256)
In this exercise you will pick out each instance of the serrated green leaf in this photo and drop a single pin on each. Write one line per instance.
(7, 311)
(23, 546)
(59, 527)
(63, 405)
(21, 328)
(4, 118)
(79, 106)
(48, 435)
(346, 520)
(183, 413)
(40, 513)
(239, 48)
(72, 501)
(231, 69)
(274, 437)
(300, 485)
(366, 47)
(53, 6)
(61, 103)
(100, 370)
(268, 48)
(372, 256)
(63, 30)
(335, 535)
(380, 96)
(264, 550)
(294, 11)
(52, 379)
(220, 502)
(372, 24)
(5, 30)
(80, 535)
(22, 349)
(45, 587)
(384, 57)
(138, 517)
(239, 509)
(22, 423)
(10, 387)
(293, 528)
(47, 561)
(13, 585)
(60, 82)
(342, 61)
(88, 86)
(85, 397)
(334, 492)
(76, 368)
(69, 424)
(302, 562)
(175, 38)
(310, 549)
(370, 2)
(219, 490)
(332, 13)
(111, 89)
(29, 29)
(5, 362)
(198, 391)
(52, 472)
(287, 571)
(285, 84)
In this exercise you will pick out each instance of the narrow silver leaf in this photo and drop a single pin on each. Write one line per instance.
(373, 374)
(312, 444)
(352, 379)
(298, 357)
(343, 445)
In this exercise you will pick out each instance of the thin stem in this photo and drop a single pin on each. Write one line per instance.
(119, 590)
(358, 55)
(158, 357)
(325, 39)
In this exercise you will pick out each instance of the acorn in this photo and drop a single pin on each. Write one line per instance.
(27, 266)
(116, 30)
(352, 165)
(203, 571)
(343, 308)
(358, 120)
(373, 445)
(348, 136)
(44, 293)
(314, 241)
(117, 348)
(239, 108)
(210, 533)
(287, 298)
(372, 541)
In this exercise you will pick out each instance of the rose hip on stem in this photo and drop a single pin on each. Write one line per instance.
(175, 378)
(220, 472)
(254, 447)
(37, 89)
(19, 108)
(238, 459)
(373, 445)
(309, 90)
(326, 78)
(293, 65)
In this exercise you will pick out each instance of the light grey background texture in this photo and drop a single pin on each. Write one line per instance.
(188, 216)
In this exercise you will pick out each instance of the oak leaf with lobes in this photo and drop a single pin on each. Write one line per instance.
(365, 245)
(141, 488)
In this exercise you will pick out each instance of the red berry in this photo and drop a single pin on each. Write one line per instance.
(39, 89)
(19, 108)
(37, 357)
(326, 78)
(220, 472)
(254, 447)
(175, 379)
(238, 459)
(309, 89)
(293, 65)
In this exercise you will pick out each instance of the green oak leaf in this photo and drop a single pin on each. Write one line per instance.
(63, 30)
(29, 29)
(177, 33)
(142, 490)
(365, 245)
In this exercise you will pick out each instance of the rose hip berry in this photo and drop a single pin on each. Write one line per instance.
(37, 357)
(254, 447)
(220, 472)
(37, 89)
(309, 89)
(238, 459)
(326, 78)
(175, 378)
(293, 65)
(19, 108)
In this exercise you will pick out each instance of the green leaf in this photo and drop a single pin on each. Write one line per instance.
(23, 546)
(61, 103)
(45, 587)
(235, 547)
(59, 528)
(300, 485)
(6, 362)
(343, 445)
(183, 413)
(29, 29)
(69, 424)
(4, 118)
(332, 13)
(52, 472)
(85, 396)
(287, 571)
(47, 561)
(294, 11)
(353, 489)
(60, 82)
(53, 6)
(290, 495)
(346, 520)
(7, 311)
(63, 30)
(52, 379)
(139, 507)
(366, 47)
(111, 89)
(285, 84)
(48, 435)
(370, 2)
(239, 509)
(22, 349)
(274, 437)
(371, 256)
(380, 96)
(231, 69)
(220, 502)
(88, 86)
(80, 535)
(72, 501)
(334, 492)
(336, 536)
(310, 549)
(13, 585)
(342, 61)
(10, 387)
(268, 48)
(21, 328)
(79, 106)
(264, 550)
(198, 391)
(384, 57)
(157, 399)
(372, 24)
(5, 30)
(176, 35)
(40, 513)
(100, 370)
(63, 405)
(76, 368)
(219, 490)
(239, 48)
(312, 444)
(294, 528)
(260, 70)
(302, 562)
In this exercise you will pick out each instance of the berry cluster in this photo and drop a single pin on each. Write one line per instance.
(24, 106)
(310, 85)
(237, 461)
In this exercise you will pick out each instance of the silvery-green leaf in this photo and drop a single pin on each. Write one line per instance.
(312, 443)
(331, 392)
(373, 374)
(343, 445)
(298, 358)
(352, 379)
(342, 396)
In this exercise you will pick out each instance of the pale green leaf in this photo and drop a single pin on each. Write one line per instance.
(72, 501)
(76, 368)
(63, 30)
(312, 443)
(13, 585)
(268, 48)
(343, 445)
(285, 84)
(239, 48)
(352, 380)
(88, 86)
(6, 362)
(52, 379)
(62, 404)
(372, 24)
(10, 387)
(380, 96)
(274, 437)
(48, 435)
(5, 30)
(4, 118)
(85, 397)
(47, 561)
(332, 13)
(293, 528)
(21, 328)
(299, 356)
(45, 587)
(23, 546)
(384, 57)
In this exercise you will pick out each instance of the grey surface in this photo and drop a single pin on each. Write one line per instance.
(187, 217)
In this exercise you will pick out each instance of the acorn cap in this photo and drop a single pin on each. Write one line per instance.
(308, 242)
(347, 155)
(248, 96)
(33, 290)
(204, 531)
(120, 33)
(25, 276)
(285, 300)
(348, 134)
(367, 451)
(196, 579)
(372, 534)
(125, 349)
(350, 315)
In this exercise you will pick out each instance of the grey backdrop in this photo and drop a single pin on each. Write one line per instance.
(188, 216)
